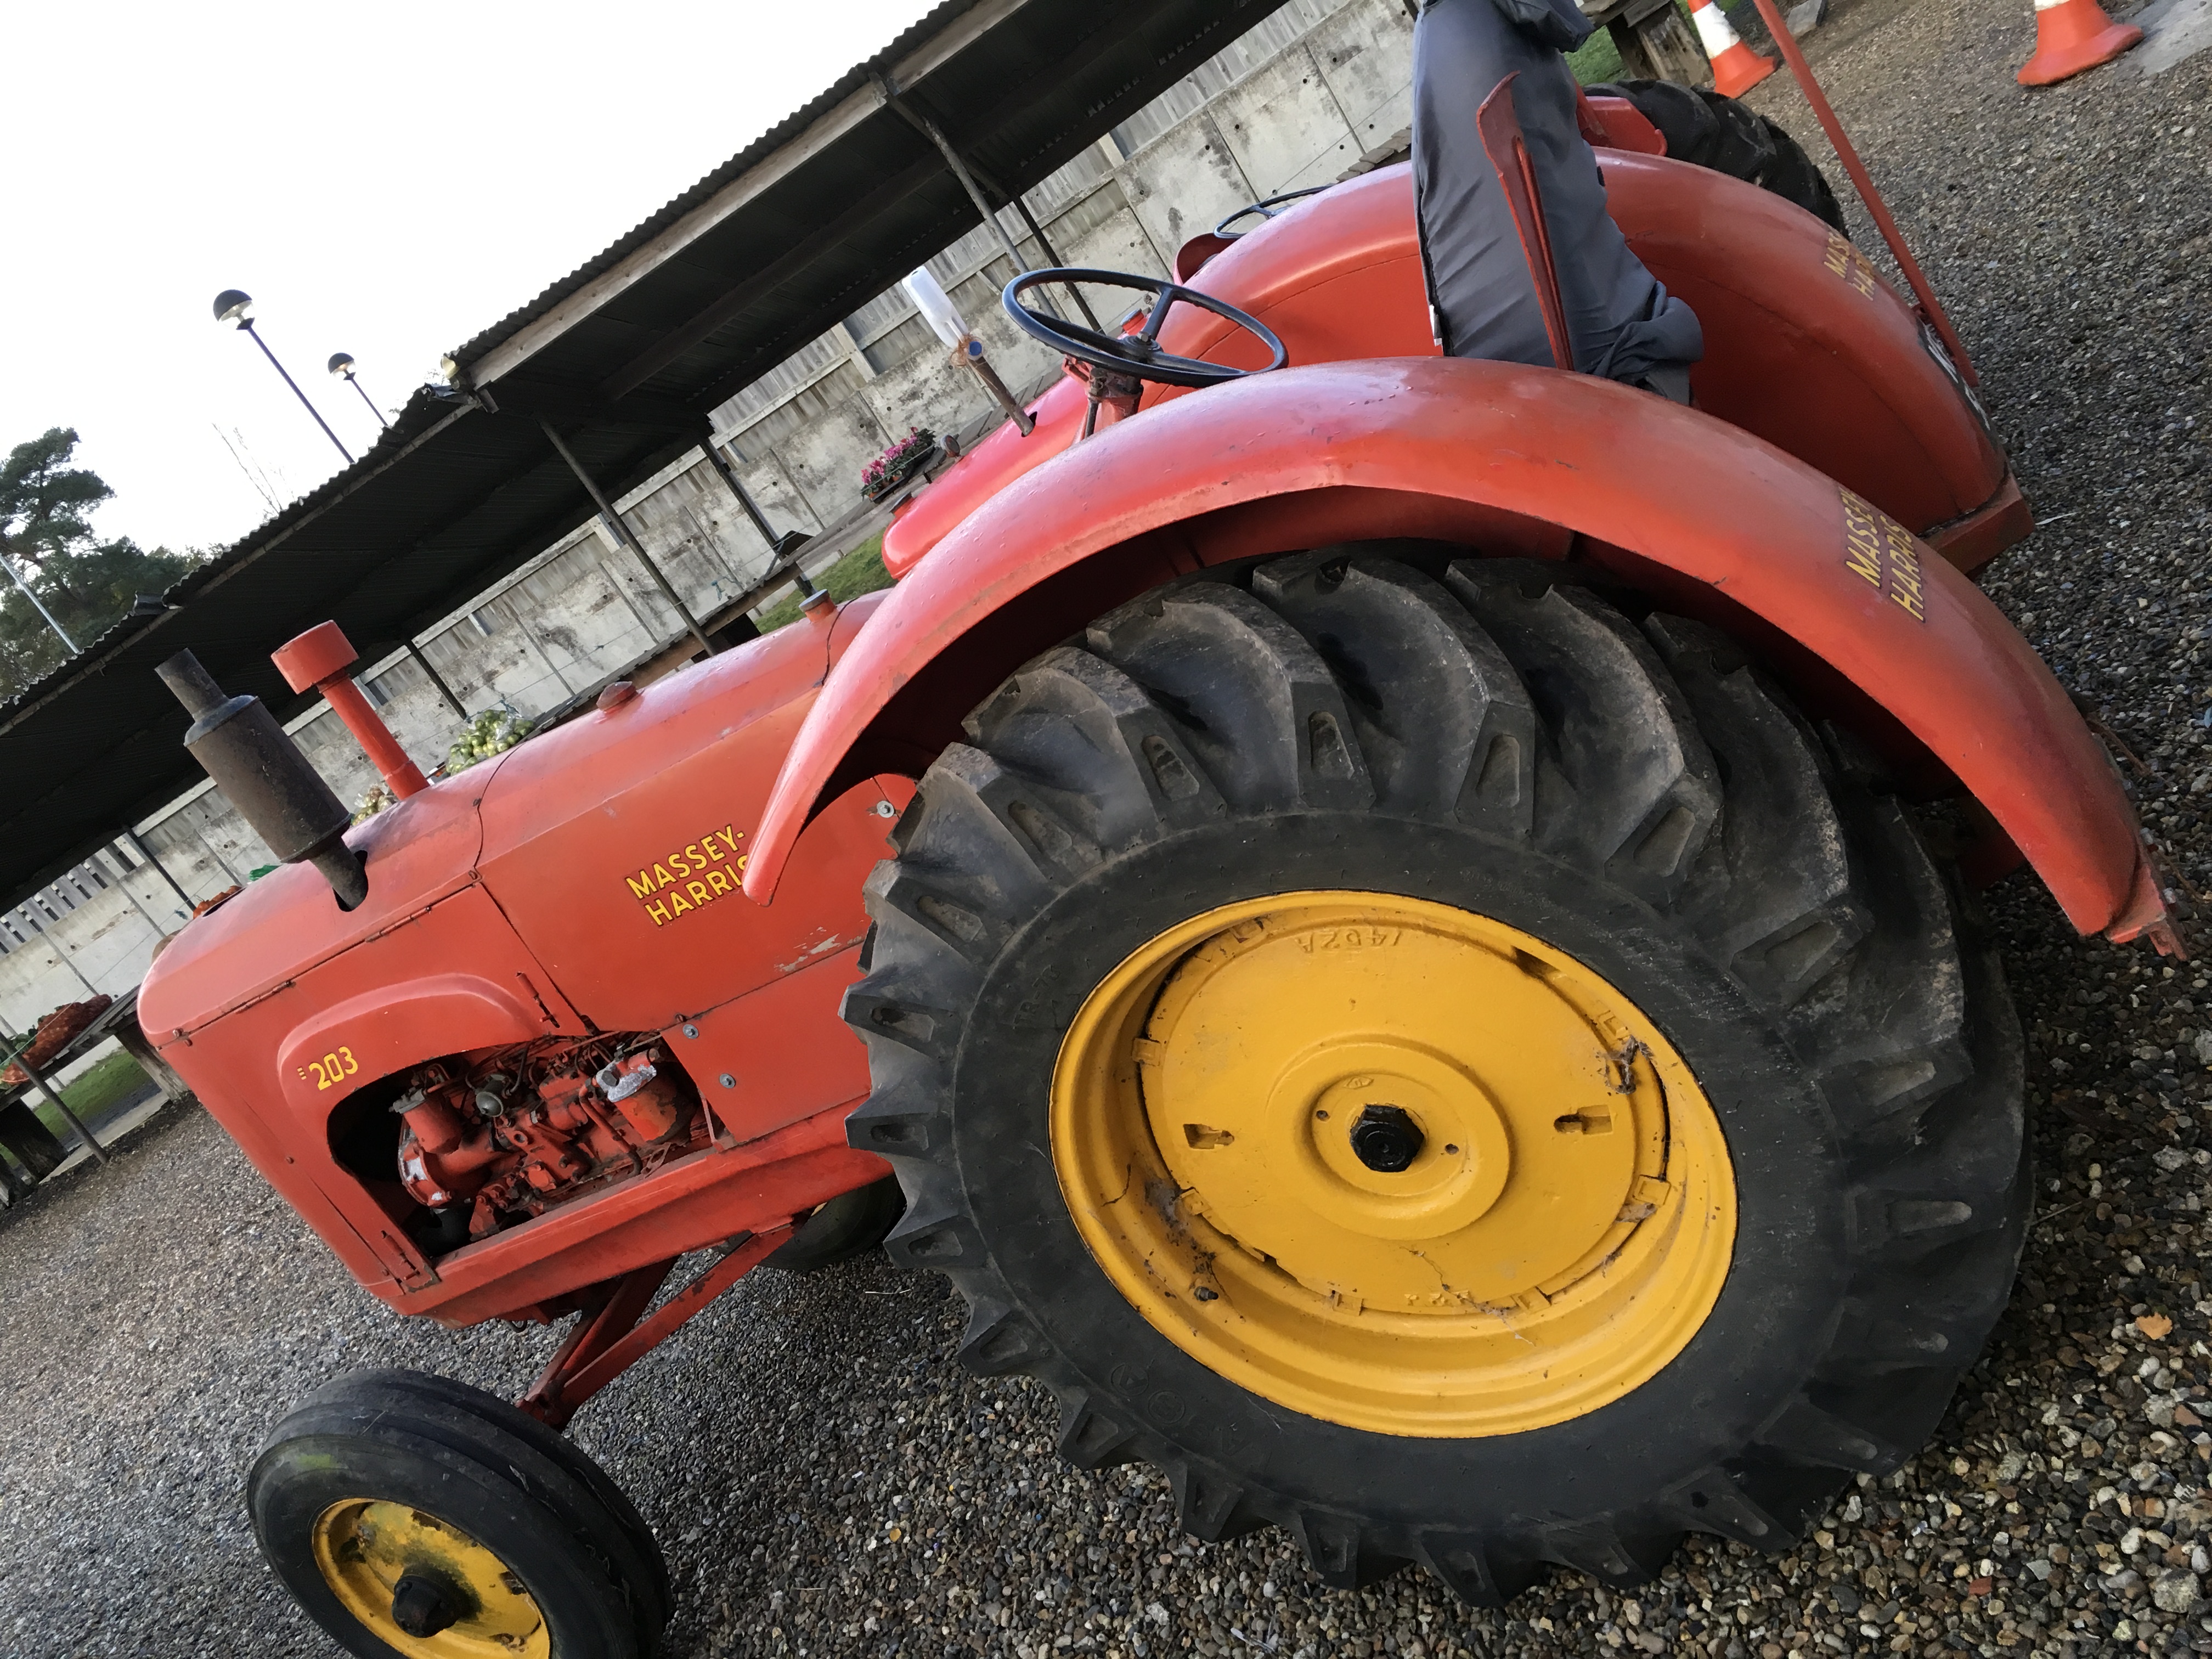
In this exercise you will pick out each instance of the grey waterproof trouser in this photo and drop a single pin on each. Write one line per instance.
(1622, 322)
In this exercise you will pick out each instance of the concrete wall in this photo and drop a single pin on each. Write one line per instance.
(1296, 101)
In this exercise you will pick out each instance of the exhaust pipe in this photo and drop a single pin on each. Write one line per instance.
(261, 773)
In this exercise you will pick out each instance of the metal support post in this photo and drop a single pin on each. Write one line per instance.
(144, 852)
(621, 533)
(123, 880)
(58, 1103)
(1052, 256)
(436, 679)
(932, 131)
(31, 913)
(720, 463)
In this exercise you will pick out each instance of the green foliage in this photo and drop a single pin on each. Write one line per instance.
(492, 732)
(46, 536)
(862, 571)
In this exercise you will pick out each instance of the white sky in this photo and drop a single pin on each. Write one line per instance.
(386, 179)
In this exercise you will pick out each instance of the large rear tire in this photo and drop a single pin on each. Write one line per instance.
(1706, 129)
(1677, 1066)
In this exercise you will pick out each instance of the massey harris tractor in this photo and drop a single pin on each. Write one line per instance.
(1404, 924)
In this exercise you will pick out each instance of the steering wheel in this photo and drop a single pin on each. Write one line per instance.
(1267, 208)
(1138, 356)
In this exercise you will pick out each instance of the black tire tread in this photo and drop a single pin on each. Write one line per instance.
(1814, 894)
(465, 1427)
(1709, 130)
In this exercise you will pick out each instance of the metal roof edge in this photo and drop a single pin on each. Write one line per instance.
(855, 96)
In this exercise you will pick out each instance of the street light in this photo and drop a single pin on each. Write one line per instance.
(341, 364)
(235, 306)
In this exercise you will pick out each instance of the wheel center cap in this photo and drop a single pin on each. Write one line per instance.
(1385, 1139)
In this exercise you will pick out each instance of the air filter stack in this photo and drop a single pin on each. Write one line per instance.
(261, 773)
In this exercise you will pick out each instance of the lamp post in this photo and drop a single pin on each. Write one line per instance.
(234, 307)
(341, 364)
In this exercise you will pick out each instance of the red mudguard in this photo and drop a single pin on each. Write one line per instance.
(1506, 460)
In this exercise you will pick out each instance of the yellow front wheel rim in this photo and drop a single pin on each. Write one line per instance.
(1392, 1165)
(365, 1546)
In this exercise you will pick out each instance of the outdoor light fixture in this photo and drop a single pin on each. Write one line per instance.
(341, 364)
(235, 306)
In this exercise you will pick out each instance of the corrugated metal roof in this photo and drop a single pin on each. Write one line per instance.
(627, 355)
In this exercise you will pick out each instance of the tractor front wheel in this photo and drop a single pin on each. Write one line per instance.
(1433, 1063)
(413, 1516)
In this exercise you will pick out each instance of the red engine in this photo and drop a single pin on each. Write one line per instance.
(521, 1128)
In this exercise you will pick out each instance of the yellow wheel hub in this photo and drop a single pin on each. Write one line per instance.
(1392, 1165)
(365, 1545)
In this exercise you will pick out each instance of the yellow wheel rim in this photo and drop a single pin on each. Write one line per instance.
(365, 1546)
(1560, 1229)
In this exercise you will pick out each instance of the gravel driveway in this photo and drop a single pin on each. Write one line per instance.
(825, 1481)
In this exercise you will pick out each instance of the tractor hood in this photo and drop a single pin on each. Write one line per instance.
(429, 848)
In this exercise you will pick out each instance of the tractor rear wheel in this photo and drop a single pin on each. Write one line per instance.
(1432, 1064)
(414, 1515)
(1709, 130)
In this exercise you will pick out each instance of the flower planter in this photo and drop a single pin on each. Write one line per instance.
(901, 475)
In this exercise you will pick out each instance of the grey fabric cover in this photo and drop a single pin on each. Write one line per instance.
(1623, 323)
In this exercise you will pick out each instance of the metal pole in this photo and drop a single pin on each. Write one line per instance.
(1930, 306)
(55, 1101)
(967, 183)
(444, 690)
(716, 459)
(366, 398)
(621, 533)
(1074, 293)
(248, 325)
(144, 852)
(220, 862)
(35, 600)
(31, 915)
(123, 880)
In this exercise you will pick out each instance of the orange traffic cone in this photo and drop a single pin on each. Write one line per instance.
(1736, 68)
(2070, 36)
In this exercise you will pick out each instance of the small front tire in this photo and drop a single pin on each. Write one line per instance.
(417, 1516)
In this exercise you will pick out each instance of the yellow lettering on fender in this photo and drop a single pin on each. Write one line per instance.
(1883, 553)
(691, 878)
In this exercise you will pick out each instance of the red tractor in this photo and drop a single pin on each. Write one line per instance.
(1409, 924)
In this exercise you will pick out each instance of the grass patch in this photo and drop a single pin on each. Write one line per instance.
(862, 571)
(1598, 60)
(110, 1080)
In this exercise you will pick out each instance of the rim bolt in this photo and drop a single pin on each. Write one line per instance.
(1385, 1139)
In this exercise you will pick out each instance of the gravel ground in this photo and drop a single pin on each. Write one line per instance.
(825, 1480)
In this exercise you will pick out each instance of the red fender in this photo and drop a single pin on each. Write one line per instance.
(1806, 345)
(1509, 459)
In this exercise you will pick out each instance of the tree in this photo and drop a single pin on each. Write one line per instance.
(47, 537)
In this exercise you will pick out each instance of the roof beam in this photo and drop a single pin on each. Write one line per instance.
(534, 335)
(782, 269)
